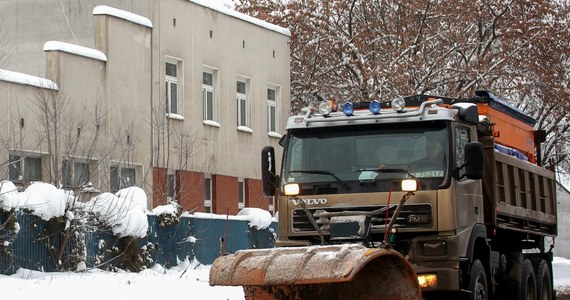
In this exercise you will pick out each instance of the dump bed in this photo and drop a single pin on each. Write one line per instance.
(518, 195)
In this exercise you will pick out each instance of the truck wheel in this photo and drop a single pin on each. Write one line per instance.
(528, 282)
(478, 282)
(544, 282)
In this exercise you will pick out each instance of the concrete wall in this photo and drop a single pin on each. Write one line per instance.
(31, 23)
(119, 101)
(203, 37)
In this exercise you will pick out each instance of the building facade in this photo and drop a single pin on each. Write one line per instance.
(175, 96)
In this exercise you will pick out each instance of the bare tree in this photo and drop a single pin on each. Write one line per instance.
(362, 50)
(173, 149)
(49, 111)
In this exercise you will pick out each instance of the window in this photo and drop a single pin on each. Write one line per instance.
(122, 177)
(74, 173)
(171, 187)
(208, 194)
(462, 138)
(28, 168)
(272, 109)
(241, 193)
(33, 168)
(241, 96)
(15, 168)
(208, 94)
(272, 205)
(173, 92)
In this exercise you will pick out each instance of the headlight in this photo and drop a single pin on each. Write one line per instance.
(291, 189)
(409, 185)
(427, 280)
(398, 104)
(326, 107)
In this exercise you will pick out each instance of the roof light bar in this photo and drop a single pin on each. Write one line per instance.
(348, 109)
(326, 107)
(398, 104)
(374, 107)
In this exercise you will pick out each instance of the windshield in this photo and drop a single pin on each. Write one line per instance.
(366, 158)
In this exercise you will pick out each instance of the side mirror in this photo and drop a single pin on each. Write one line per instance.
(268, 176)
(474, 164)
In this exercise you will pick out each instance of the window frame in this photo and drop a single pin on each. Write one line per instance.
(15, 161)
(174, 80)
(460, 147)
(242, 102)
(171, 186)
(29, 172)
(121, 169)
(209, 104)
(70, 177)
(273, 107)
(208, 194)
(271, 201)
(241, 193)
(24, 163)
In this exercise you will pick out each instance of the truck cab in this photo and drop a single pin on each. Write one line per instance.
(465, 227)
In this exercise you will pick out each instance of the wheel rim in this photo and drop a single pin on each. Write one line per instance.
(480, 293)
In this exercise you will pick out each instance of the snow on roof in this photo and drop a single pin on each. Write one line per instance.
(129, 16)
(220, 7)
(75, 49)
(26, 79)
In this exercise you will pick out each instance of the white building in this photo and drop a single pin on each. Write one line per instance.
(175, 96)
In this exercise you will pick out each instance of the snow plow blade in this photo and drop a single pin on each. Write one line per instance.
(318, 272)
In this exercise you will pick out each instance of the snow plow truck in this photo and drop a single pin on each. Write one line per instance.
(422, 197)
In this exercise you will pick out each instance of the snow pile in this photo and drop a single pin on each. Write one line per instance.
(43, 199)
(257, 217)
(8, 195)
(134, 194)
(168, 209)
(125, 212)
(122, 212)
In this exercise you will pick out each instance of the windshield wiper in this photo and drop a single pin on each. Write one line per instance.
(323, 172)
(385, 170)
(388, 170)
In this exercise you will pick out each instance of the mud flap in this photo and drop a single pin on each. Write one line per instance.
(318, 272)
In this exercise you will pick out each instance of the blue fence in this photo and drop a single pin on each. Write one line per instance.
(27, 241)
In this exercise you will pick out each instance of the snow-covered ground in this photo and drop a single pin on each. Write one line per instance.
(188, 280)
(561, 269)
(126, 213)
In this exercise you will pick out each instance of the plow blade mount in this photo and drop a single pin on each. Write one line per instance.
(318, 272)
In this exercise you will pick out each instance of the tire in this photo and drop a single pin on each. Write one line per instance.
(543, 281)
(478, 284)
(528, 281)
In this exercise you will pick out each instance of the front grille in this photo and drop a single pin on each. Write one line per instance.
(411, 215)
